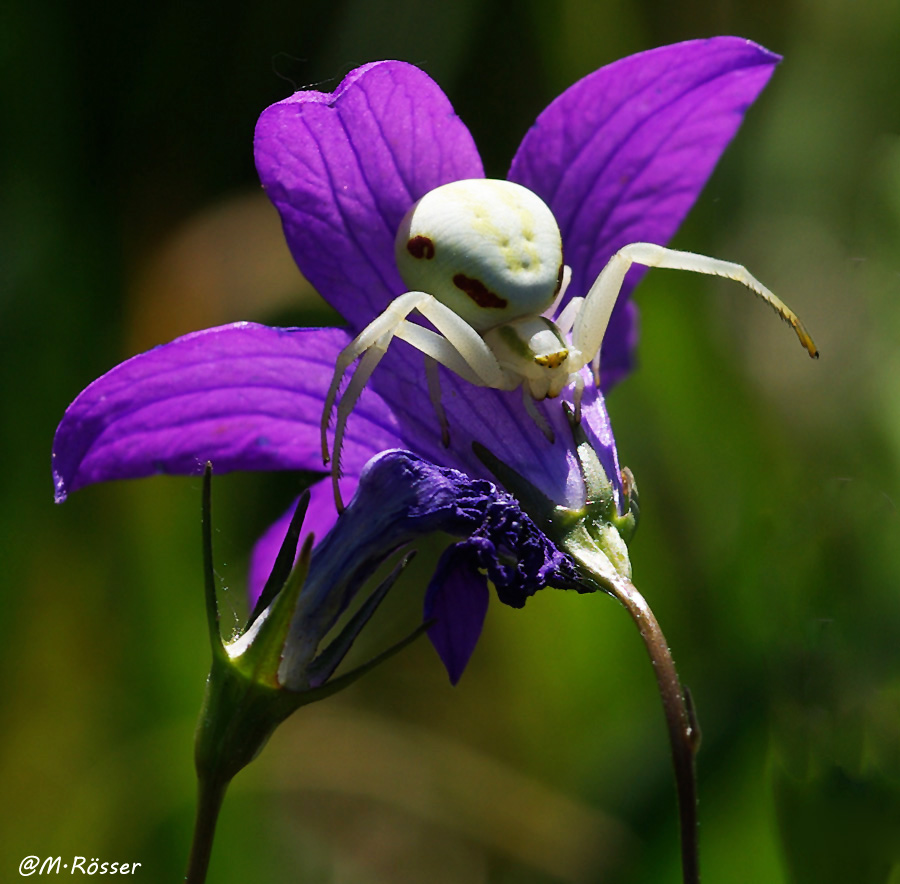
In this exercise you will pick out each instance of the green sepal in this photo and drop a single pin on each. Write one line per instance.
(344, 681)
(244, 702)
(264, 643)
(324, 665)
(597, 534)
(237, 718)
(209, 576)
(284, 561)
(600, 503)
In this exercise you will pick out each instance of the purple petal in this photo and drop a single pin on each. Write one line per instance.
(457, 601)
(244, 396)
(343, 169)
(622, 155)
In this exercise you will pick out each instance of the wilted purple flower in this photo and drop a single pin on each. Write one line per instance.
(401, 496)
(619, 157)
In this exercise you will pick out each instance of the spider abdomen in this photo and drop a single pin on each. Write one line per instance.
(489, 250)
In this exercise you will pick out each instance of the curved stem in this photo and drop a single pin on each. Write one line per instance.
(210, 793)
(595, 539)
(684, 736)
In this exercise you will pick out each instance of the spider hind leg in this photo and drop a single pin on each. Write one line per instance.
(541, 421)
(434, 392)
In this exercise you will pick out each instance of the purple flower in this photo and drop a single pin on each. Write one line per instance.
(619, 157)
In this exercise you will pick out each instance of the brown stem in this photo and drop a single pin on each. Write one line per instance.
(684, 735)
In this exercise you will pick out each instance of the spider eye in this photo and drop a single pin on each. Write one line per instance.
(490, 250)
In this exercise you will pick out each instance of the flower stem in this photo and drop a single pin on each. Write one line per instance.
(210, 793)
(684, 735)
(595, 538)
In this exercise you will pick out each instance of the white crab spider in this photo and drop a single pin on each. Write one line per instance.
(483, 261)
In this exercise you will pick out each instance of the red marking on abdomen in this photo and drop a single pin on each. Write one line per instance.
(478, 292)
(421, 247)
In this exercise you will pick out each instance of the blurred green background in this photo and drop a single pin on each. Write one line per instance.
(130, 213)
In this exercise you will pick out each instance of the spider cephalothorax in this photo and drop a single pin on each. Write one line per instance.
(484, 263)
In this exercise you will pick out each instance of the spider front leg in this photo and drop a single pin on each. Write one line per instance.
(378, 334)
(591, 322)
(458, 347)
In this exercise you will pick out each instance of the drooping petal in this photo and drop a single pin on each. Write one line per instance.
(621, 156)
(243, 396)
(343, 168)
(401, 497)
(457, 602)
